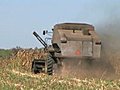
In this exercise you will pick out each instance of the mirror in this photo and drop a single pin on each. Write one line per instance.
(44, 32)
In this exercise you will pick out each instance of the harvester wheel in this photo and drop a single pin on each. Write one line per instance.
(34, 69)
(50, 65)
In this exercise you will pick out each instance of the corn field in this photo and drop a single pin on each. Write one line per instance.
(15, 74)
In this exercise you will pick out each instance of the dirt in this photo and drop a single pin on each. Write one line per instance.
(86, 69)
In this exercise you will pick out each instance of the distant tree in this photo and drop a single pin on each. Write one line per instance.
(36, 48)
(18, 47)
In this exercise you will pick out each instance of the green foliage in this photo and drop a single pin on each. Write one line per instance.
(5, 53)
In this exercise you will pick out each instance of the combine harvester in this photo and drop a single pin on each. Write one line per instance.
(69, 40)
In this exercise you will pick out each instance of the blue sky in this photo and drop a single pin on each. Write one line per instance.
(19, 18)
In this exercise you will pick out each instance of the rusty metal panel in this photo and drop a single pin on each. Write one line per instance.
(87, 48)
(73, 26)
(96, 51)
(73, 40)
(71, 48)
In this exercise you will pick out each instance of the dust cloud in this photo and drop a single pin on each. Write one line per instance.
(110, 35)
(86, 69)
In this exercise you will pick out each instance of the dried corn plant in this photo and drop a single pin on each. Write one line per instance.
(27, 55)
